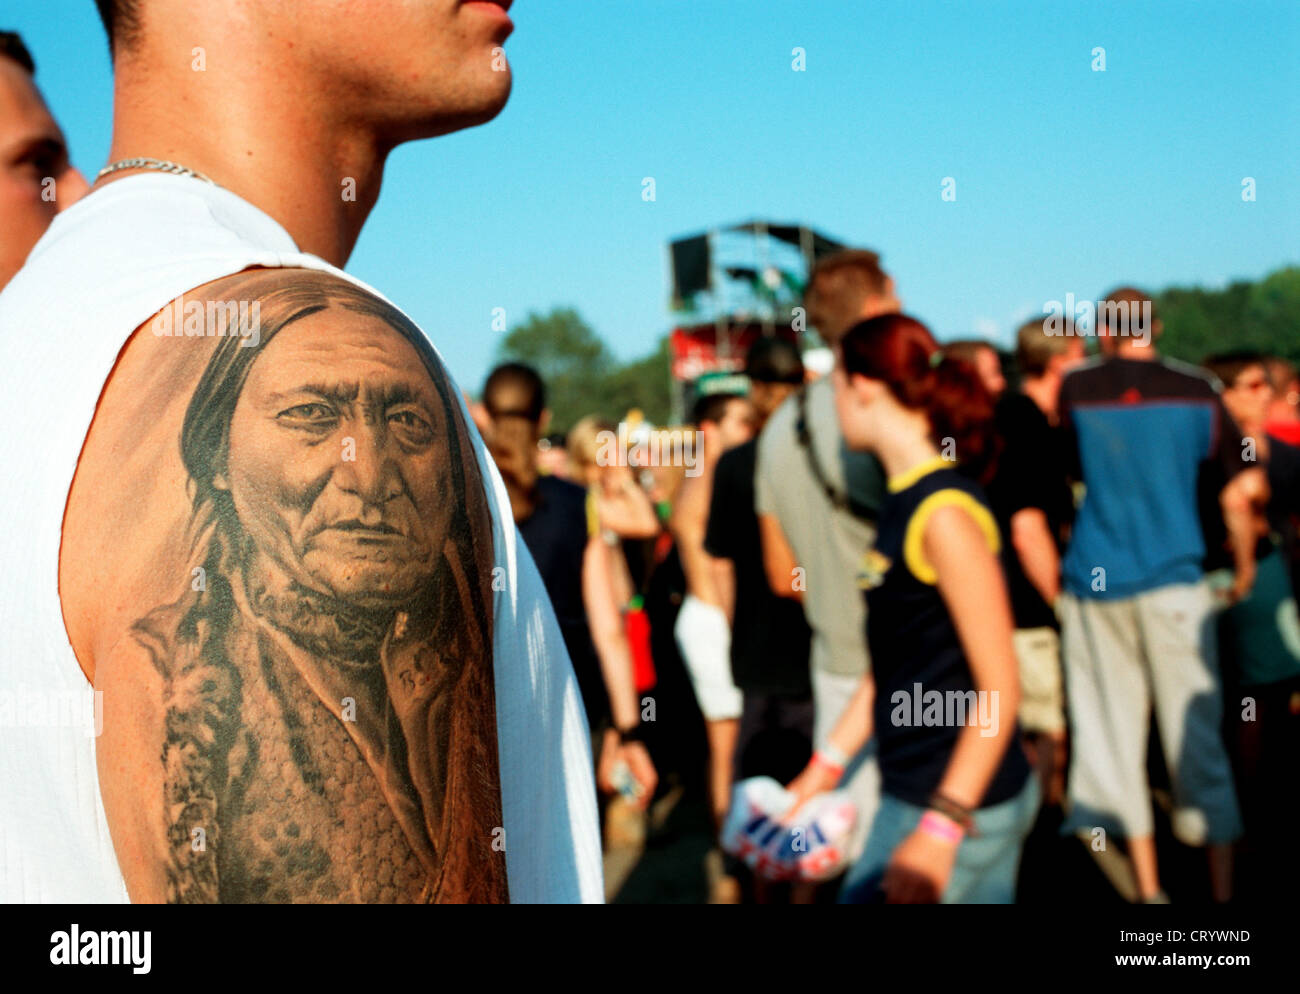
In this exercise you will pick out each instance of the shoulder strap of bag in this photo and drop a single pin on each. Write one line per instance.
(842, 501)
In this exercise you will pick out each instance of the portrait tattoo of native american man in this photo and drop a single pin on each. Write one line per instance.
(330, 722)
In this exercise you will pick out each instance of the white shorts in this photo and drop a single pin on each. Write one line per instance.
(1125, 659)
(704, 640)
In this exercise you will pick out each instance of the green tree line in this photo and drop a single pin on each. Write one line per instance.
(1262, 315)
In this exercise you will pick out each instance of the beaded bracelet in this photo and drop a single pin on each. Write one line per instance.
(957, 812)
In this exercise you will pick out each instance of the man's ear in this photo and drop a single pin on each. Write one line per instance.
(896, 305)
(543, 423)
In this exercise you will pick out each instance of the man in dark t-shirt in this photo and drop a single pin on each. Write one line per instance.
(770, 639)
(1030, 477)
(555, 533)
(1031, 499)
(769, 636)
(551, 516)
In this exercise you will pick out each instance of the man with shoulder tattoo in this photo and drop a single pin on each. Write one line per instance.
(258, 519)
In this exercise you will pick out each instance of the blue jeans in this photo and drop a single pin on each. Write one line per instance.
(986, 865)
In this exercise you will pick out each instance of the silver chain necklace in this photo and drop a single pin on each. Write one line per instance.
(162, 165)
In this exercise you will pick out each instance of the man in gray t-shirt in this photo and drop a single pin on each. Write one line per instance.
(827, 541)
(815, 501)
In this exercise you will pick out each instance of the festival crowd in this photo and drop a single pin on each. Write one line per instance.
(1110, 539)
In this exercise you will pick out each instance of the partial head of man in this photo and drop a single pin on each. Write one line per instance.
(36, 178)
(983, 358)
(845, 288)
(408, 70)
(1040, 354)
(725, 420)
(775, 370)
(1127, 323)
(1247, 391)
(514, 397)
(515, 390)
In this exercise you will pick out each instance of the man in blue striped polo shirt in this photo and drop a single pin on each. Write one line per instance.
(1137, 615)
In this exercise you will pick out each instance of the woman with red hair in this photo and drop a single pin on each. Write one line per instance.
(941, 697)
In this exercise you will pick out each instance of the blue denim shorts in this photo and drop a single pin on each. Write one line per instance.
(986, 866)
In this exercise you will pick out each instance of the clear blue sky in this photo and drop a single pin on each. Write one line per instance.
(1068, 180)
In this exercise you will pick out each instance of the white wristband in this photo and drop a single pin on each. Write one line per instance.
(835, 754)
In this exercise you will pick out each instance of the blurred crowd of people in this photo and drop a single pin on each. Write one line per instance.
(954, 591)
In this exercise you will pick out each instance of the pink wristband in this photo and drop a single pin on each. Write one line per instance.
(933, 823)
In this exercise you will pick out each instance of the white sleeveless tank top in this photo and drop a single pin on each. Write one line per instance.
(105, 266)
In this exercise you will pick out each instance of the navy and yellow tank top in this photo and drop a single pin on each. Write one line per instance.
(924, 691)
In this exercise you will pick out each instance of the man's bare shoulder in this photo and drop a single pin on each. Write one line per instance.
(128, 507)
(278, 558)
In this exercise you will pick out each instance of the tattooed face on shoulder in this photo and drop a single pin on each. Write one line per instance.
(324, 691)
(337, 460)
